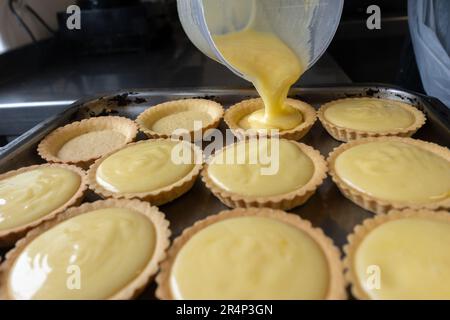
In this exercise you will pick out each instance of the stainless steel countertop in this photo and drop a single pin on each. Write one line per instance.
(29, 99)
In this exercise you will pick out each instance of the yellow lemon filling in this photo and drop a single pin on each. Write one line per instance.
(272, 67)
(91, 145)
(395, 171)
(250, 258)
(181, 120)
(146, 166)
(90, 256)
(405, 259)
(369, 114)
(261, 167)
(33, 194)
(253, 120)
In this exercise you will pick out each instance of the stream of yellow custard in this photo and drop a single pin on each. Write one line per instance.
(272, 67)
(369, 114)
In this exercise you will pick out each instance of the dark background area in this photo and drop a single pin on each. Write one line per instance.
(125, 44)
(384, 55)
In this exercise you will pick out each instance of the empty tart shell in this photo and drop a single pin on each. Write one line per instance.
(155, 197)
(9, 236)
(362, 230)
(375, 204)
(284, 201)
(238, 111)
(138, 284)
(82, 142)
(336, 288)
(347, 134)
(211, 110)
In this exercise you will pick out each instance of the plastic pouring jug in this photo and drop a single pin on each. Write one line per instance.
(306, 26)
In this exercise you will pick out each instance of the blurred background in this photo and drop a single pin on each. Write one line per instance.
(126, 44)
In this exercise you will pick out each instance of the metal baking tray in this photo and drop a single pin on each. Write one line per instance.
(327, 209)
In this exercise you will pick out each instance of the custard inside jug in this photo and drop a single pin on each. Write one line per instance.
(250, 39)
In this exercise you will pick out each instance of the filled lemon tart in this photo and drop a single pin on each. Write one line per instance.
(356, 118)
(252, 254)
(276, 173)
(391, 172)
(101, 250)
(30, 195)
(82, 142)
(174, 118)
(238, 118)
(157, 170)
(401, 255)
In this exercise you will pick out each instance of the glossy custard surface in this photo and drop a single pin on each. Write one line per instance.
(145, 166)
(250, 258)
(412, 260)
(261, 168)
(91, 256)
(31, 195)
(368, 114)
(395, 171)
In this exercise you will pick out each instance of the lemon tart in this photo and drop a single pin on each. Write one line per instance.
(193, 116)
(386, 173)
(275, 173)
(401, 255)
(102, 250)
(31, 195)
(239, 119)
(156, 170)
(82, 142)
(252, 254)
(356, 118)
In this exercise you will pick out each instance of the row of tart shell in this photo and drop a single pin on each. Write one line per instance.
(51, 145)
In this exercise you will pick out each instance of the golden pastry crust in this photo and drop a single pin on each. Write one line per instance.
(361, 231)
(155, 197)
(336, 289)
(284, 201)
(347, 134)
(10, 236)
(372, 203)
(50, 146)
(153, 114)
(134, 288)
(236, 112)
